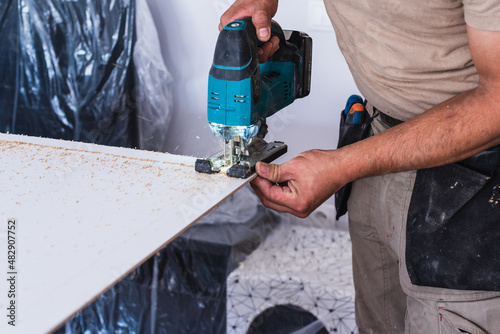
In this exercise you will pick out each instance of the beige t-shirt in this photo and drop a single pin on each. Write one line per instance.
(408, 55)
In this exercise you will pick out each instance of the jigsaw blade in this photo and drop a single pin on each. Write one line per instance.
(243, 168)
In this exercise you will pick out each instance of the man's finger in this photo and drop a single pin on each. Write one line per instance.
(265, 52)
(234, 13)
(261, 13)
(268, 49)
(281, 195)
(261, 19)
(275, 206)
(272, 172)
(268, 203)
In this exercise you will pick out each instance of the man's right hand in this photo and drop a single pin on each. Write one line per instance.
(261, 12)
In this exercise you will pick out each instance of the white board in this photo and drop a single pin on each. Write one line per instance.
(85, 216)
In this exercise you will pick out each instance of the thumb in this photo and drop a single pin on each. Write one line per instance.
(261, 19)
(272, 172)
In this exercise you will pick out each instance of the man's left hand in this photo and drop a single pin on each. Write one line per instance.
(300, 185)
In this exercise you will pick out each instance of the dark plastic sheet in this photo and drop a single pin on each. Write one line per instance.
(68, 71)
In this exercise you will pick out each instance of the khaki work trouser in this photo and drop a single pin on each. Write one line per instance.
(386, 301)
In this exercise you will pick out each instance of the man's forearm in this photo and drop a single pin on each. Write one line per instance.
(451, 131)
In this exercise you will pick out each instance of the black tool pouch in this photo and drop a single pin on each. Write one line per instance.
(349, 134)
(453, 225)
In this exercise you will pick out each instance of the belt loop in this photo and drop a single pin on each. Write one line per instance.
(391, 121)
(370, 108)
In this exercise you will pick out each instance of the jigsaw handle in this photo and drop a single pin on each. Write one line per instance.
(243, 92)
(236, 56)
(286, 75)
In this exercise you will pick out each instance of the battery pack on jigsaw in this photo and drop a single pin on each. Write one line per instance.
(242, 94)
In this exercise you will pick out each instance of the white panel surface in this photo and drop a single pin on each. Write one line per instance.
(86, 215)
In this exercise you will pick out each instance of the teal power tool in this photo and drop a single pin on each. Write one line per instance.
(242, 93)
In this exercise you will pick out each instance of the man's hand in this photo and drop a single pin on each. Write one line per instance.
(261, 12)
(300, 185)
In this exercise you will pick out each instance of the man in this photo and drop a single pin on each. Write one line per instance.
(436, 66)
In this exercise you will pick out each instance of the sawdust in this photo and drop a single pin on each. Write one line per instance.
(157, 176)
(6, 145)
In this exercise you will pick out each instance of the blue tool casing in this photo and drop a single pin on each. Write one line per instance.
(240, 91)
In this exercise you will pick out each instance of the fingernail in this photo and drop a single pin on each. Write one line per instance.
(263, 32)
(263, 168)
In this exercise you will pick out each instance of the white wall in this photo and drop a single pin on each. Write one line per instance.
(188, 32)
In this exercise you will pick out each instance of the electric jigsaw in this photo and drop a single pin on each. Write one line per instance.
(242, 93)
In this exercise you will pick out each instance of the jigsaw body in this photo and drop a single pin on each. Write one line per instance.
(242, 93)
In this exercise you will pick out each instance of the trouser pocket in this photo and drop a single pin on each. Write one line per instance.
(452, 323)
(453, 229)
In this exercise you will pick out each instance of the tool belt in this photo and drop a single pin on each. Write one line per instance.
(386, 118)
(349, 134)
(453, 222)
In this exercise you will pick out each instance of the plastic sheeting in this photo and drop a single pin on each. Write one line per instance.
(236, 209)
(152, 92)
(69, 72)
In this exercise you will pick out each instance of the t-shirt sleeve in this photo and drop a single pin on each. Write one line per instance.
(482, 14)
